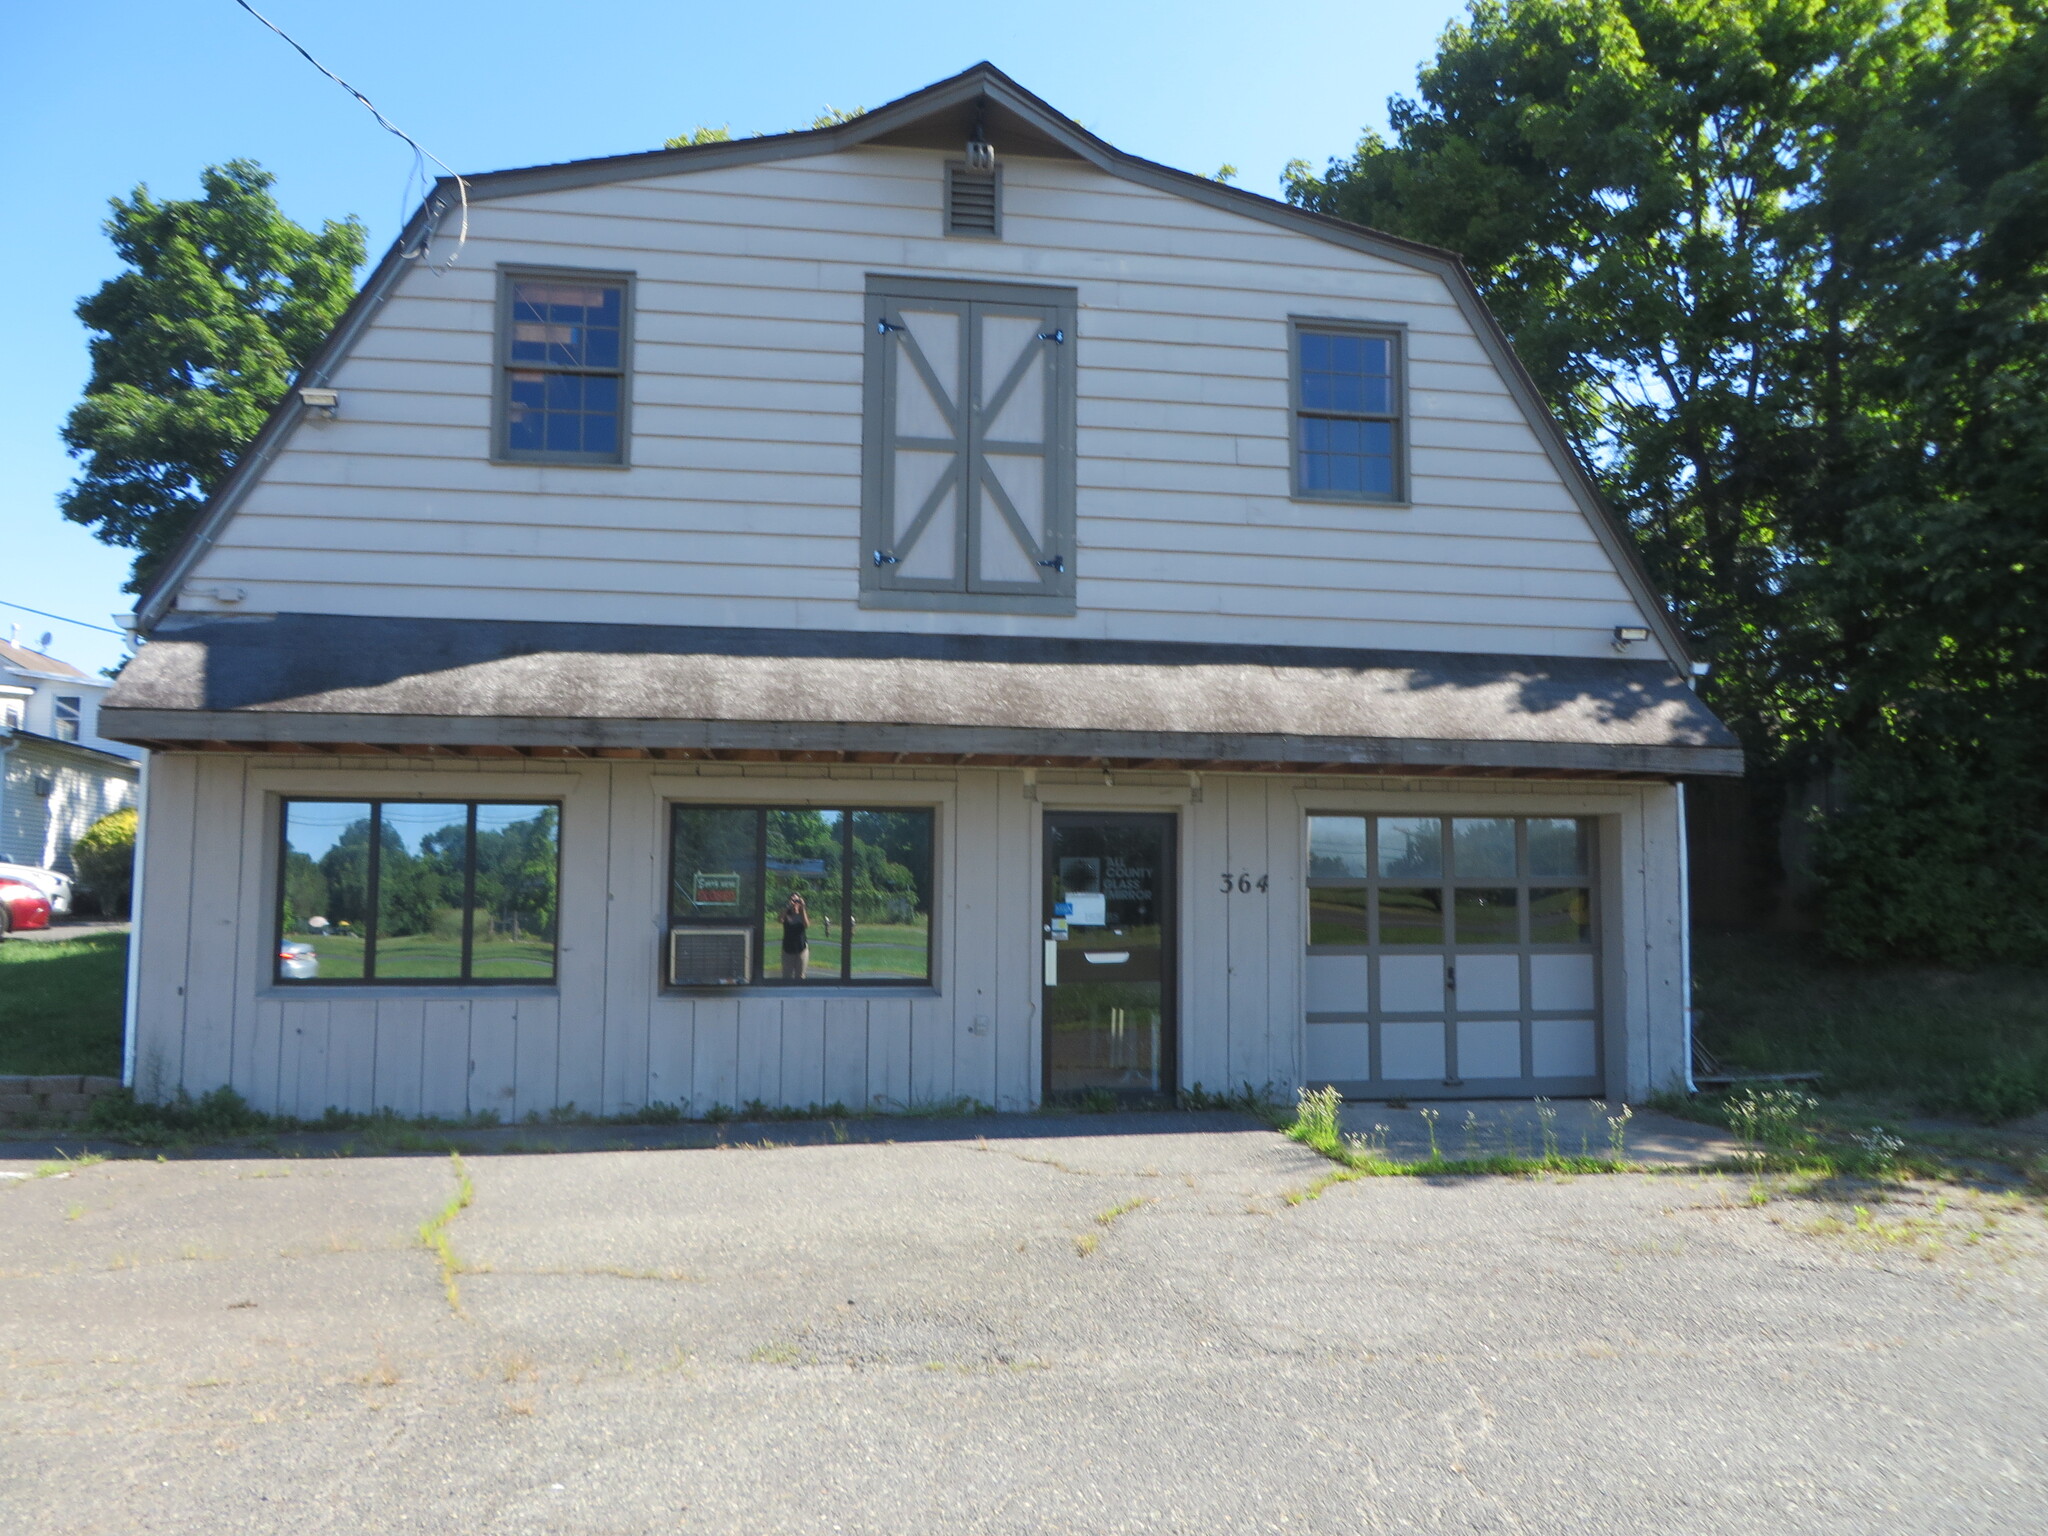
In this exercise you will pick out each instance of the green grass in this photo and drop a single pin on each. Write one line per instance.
(1971, 1043)
(60, 1005)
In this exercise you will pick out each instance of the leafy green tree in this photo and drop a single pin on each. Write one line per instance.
(704, 133)
(701, 134)
(223, 300)
(1777, 265)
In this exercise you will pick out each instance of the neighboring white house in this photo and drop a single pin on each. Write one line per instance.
(1158, 630)
(58, 775)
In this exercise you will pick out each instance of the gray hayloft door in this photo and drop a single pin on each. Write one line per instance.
(969, 441)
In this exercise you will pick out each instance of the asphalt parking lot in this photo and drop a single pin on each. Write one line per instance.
(1130, 1329)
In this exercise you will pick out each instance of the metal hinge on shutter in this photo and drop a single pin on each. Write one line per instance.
(974, 202)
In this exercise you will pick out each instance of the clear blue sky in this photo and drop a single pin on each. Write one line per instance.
(95, 97)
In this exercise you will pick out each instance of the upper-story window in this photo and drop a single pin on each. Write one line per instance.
(1348, 412)
(563, 343)
(65, 717)
(968, 447)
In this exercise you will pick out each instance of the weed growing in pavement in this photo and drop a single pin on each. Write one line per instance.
(1471, 1129)
(66, 1165)
(1105, 1218)
(1245, 1100)
(434, 1233)
(1315, 1119)
(1316, 1124)
(1617, 1130)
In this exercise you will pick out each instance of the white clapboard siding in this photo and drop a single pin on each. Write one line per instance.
(742, 503)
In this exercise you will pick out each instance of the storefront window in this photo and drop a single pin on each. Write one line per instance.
(407, 892)
(832, 895)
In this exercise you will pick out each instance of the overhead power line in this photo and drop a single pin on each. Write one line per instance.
(24, 607)
(419, 155)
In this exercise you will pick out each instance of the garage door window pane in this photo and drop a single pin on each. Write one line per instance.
(1337, 916)
(1561, 916)
(1483, 848)
(1486, 915)
(1411, 847)
(1557, 847)
(1411, 916)
(1336, 848)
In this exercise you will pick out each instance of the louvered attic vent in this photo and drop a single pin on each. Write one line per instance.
(974, 202)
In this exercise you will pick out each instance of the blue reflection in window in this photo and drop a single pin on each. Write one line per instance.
(1353, 456)
(1351, 378)
(561, 323)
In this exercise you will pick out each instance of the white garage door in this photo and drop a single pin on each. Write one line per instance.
(1452, 956)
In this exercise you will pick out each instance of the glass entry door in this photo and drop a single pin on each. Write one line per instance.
(1110, 1024)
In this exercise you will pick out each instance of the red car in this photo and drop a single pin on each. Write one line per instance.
(22, 906)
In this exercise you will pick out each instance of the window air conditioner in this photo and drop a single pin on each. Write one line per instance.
(710, 957)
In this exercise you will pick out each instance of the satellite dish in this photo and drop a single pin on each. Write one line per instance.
(44, 644)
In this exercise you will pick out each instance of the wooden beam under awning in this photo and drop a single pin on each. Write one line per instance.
(1321, 767)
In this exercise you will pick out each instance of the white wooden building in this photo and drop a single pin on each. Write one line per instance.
(58, 774)
(1159, 632)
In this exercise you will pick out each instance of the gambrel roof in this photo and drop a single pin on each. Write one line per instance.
(942, 116)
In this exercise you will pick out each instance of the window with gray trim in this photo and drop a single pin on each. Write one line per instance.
(412, 892)
(563, 343)
(968, 447)
(1348, 410)
(66, 714)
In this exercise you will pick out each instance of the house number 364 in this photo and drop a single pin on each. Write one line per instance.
(1242, 883)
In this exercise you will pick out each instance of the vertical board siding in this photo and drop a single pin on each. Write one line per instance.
(165, 932)
(304, 1072)
(954, 1056)
(1286, 915)
(1663, 1055)
(401, 1050)
(624, 987)
(444, 1058)
(742, 502)
(760, 1052)
(889, 1053)
(258, 1059)
(1250, 955)
(537, 1052)
(1205, 935)
(352, 1053)
(715, 1064)
(217, 881)
(608, 1031)
(803, 1052)
(846, 1054)
(494, 1056)
(1014, 1070)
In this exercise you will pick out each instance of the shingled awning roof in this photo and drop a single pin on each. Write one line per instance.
(295, 682)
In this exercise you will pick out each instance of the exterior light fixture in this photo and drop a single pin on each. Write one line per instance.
(325, 401)
(1626, 635)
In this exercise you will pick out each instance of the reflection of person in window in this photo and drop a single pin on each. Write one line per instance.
(796, 938)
